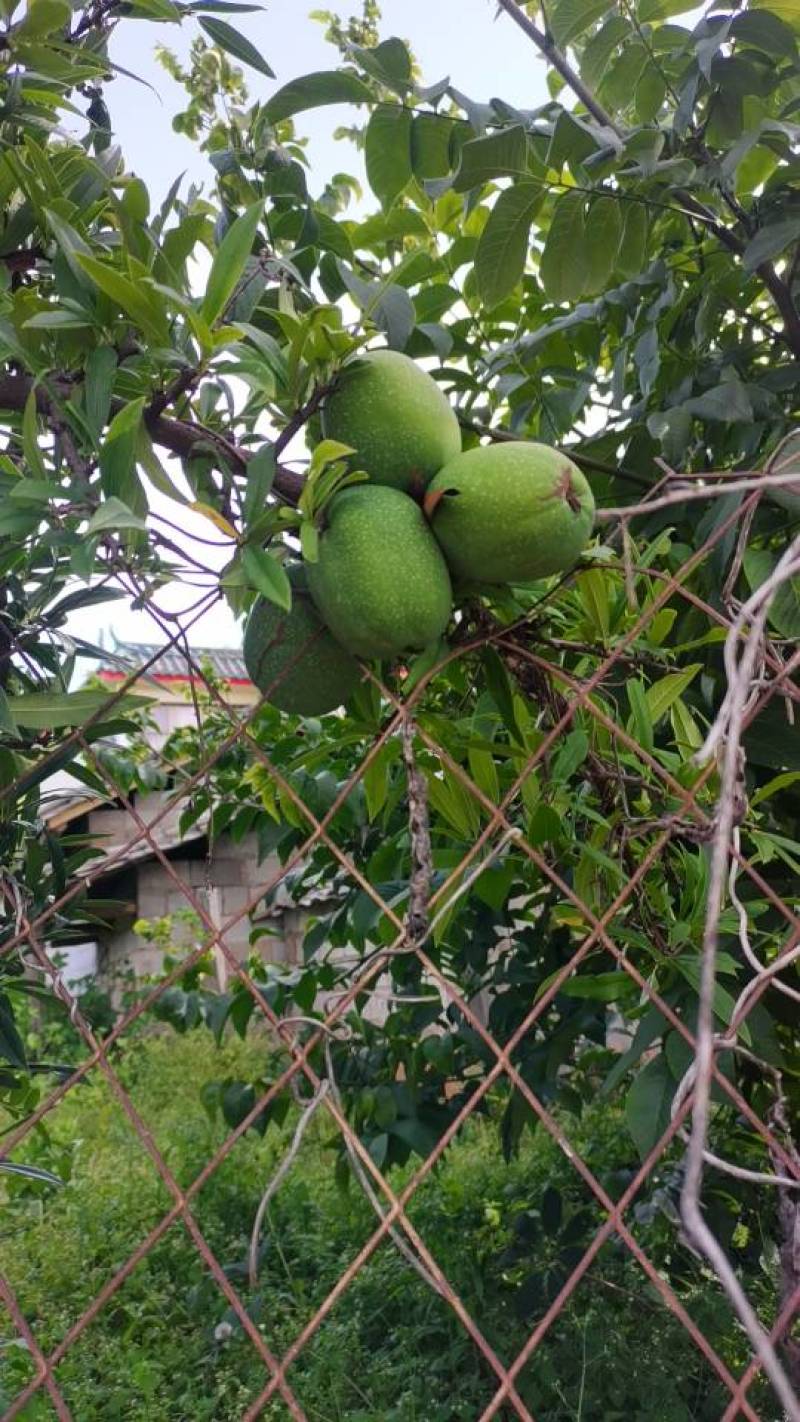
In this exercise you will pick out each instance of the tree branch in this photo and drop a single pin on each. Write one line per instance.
(584, 461)
(777, 288)
(181, 437)
(562, 65)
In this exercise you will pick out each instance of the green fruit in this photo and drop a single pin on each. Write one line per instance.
(509, 513)
(318, 674)
(395, 417)
(381, 583)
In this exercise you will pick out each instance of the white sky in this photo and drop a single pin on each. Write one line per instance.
(484, 57)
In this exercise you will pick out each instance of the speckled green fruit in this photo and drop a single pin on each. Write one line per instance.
(381, 583)
(509, 513)
(319, 673)
(394, 415)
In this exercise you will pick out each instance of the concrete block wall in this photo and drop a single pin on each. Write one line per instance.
(234, 871)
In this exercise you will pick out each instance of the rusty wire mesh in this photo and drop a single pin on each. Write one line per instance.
(571, 694)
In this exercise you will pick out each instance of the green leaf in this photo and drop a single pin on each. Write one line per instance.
(784, 612)
(786, 10)
(376, 781)
(569, 19)
(389, 306)
(44, 17)
(503, 246)
(662, 694)
(770, 241)
(233, 43)
(663, 9)
(137, 299)
(633, 245)
(12, 1047)
(640, 724)
(44, 710)
(328, 86)
(728, 401)
(500, 689)
(648, 1104)
(70, 242)
(592, 589)
(267, 576)
(261, 470)
(603, 237)
(773, 786)
(599, 987)
(58, 319)
(118, 456)
(30, 438)
(598, 51)
(309, 541)
(229, 262)
(113, 513)
(431, 136)
(100, 370)
(570, 757)
(573, 140)
(502, 154)
(387, 151)
(563, 265)
(389, 62)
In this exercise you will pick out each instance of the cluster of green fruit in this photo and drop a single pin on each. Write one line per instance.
(389, 548)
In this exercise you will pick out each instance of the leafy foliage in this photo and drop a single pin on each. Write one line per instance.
(617, 276)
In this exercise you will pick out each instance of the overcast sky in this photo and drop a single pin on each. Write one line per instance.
(483, 55)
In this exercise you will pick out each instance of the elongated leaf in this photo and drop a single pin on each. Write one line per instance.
(229, 262)
(118, 456)
(326, 86)
(71, 244)
(389, 61)
(784, 612)
(770, 242)
(503, 246)
(647, 1106)
(569, 19)
(233, 43)
(45, 710)
(502, 154)
(139, 301)
(267, 576)
(563, 265)
(12, 1047)
(113, 513)
(30, 439)
(603, 237)
(387, 151)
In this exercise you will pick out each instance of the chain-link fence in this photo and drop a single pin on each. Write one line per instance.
(568, 681)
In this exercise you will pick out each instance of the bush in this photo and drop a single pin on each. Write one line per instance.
(167, 1348)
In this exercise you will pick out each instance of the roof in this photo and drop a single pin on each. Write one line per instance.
(227, 663)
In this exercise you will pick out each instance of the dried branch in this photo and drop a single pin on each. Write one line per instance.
(728, 728)
(419, 834)
(749, 483)
(283, 1169)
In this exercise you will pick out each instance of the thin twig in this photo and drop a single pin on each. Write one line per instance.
(747, 484)
(285, 1165)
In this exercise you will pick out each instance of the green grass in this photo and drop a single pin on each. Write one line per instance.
(390, 1349)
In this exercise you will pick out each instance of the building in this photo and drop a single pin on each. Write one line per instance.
(225, 877)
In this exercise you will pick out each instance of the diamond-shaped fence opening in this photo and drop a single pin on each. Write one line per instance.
(465, 1202)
